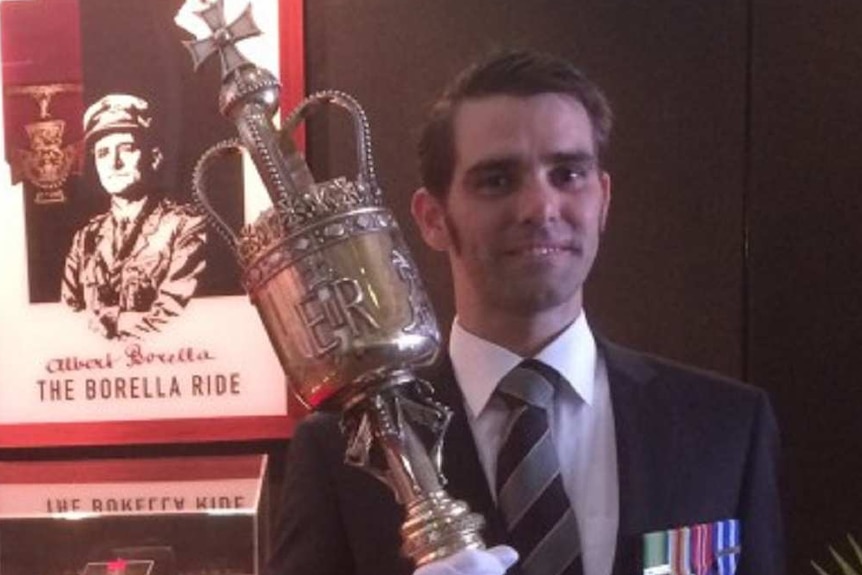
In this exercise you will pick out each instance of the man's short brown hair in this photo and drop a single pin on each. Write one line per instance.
(519, 73)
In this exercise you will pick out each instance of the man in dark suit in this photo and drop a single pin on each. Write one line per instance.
(643, 450)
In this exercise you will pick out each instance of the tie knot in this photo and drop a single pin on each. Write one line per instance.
(531, 382)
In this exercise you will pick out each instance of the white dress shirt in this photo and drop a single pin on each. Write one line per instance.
(582, 426)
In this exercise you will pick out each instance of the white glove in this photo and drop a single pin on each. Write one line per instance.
(493, 561)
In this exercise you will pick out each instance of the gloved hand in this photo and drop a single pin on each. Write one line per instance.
(493, 561)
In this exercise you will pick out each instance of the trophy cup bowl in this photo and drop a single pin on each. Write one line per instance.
(342, 305)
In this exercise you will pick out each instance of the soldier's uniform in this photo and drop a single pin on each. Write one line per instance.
(139, 277)
(133, 275)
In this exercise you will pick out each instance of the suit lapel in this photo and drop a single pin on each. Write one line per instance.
(461, 466)
(645, 441)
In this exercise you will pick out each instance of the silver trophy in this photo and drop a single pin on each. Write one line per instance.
(339, 295)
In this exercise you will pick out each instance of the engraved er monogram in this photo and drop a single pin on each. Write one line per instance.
(330, 308)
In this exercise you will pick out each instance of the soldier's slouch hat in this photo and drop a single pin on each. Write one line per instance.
(116, 113)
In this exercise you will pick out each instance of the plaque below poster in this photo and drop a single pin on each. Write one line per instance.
(165, 516)
(123, 320)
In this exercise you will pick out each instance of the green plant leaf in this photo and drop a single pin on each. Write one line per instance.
(846, 568)
(856, 548)
(818, 568)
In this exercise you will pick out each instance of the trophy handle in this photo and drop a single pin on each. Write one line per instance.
(366, 177)
(214, 152)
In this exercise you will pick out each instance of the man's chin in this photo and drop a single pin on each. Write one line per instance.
(527, 299)
(117, 188)
(127, 190)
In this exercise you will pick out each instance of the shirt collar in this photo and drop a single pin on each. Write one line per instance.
(480, 364)
(129, 212)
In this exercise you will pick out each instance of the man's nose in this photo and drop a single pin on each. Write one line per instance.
(538, 201)
(117, 159)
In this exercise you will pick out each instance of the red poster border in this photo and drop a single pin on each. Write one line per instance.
(197, 430)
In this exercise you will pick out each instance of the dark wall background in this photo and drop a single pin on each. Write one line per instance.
(804, 301)
(734, 240)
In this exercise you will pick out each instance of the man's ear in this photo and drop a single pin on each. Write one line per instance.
(430, 215)
(605, 181)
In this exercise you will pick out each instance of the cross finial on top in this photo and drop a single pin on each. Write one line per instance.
(224, 37)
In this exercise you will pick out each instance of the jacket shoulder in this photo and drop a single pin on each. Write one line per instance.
(650, 368)
(322, 430)
(89, 230)
(168, 208)
(687, 391)
(167, 214)
(336, 519)
(95, 223)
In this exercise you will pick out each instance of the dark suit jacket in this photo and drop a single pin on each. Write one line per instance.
(692, 447)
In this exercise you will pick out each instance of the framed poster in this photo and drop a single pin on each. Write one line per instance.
(122, 319)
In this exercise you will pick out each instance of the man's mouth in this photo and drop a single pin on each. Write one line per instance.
(542, 250)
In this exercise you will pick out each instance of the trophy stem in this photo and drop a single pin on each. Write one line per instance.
(435, 525)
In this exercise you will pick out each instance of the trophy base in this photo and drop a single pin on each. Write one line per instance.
(438, 526)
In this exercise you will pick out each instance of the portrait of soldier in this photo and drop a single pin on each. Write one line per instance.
(135, 266)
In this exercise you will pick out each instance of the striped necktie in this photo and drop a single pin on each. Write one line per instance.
(530, 494)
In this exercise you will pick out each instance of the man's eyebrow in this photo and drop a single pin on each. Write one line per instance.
(509, 163)
(492, 165)
(578, 157)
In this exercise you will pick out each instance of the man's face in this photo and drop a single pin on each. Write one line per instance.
(119, 162)
(525, 209)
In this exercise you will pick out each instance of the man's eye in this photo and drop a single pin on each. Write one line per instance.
(493, 184)
(101, 152)
(568, 176)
